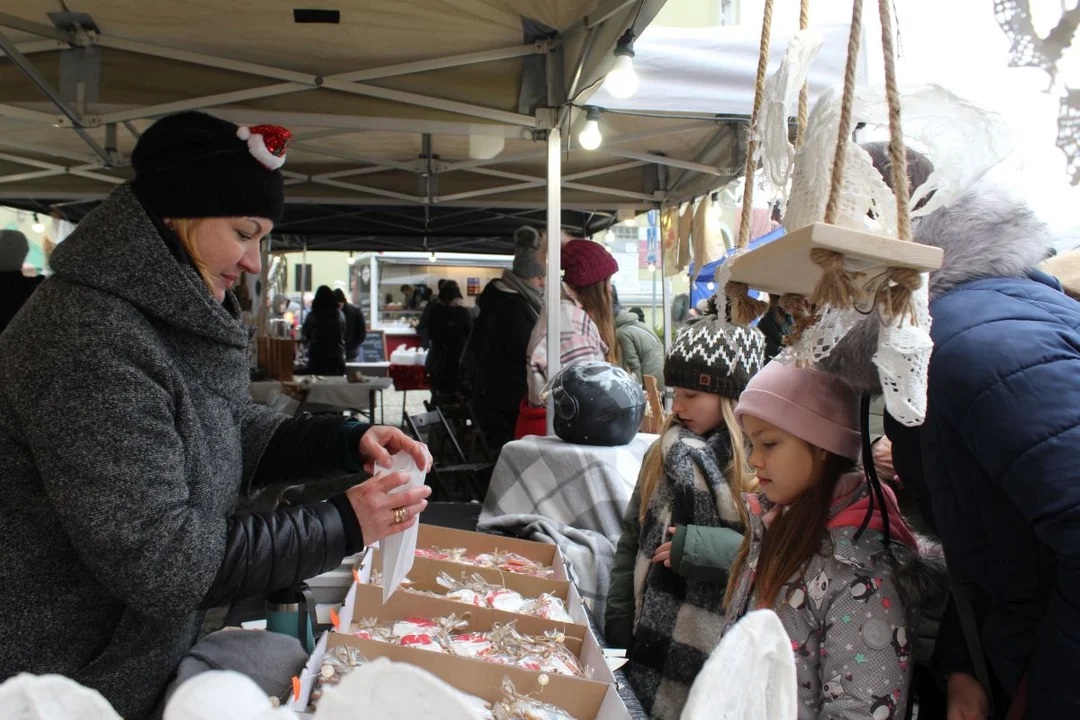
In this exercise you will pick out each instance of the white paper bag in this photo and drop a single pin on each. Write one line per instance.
(399, 549)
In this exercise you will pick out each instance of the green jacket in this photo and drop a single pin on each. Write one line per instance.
(642, 352)
(697, 551)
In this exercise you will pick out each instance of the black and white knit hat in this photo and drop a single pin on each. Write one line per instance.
(711, 355)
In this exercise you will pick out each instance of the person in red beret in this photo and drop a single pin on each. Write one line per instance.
(586, 324)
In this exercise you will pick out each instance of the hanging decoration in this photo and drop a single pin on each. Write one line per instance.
(1030, 50)
(832, 265)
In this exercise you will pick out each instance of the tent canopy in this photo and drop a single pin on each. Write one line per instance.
(417, 124)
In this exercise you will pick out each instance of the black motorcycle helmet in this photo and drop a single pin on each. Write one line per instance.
(597, 403)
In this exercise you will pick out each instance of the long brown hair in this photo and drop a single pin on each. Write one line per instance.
(596, 299)
(793, 538)
(738, 474)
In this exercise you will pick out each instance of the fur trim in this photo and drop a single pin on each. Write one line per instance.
(985, 233)
(922, 579)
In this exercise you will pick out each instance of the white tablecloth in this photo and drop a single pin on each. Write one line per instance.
(329, 394)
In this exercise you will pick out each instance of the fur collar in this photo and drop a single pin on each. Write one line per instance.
(985, 233)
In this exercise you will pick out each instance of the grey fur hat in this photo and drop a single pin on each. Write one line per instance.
(526, 249)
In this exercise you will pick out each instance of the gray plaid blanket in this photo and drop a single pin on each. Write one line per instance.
(572, 496)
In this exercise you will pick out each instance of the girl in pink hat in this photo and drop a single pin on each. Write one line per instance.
(836, 567)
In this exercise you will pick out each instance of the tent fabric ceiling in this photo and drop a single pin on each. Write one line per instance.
(382, 106)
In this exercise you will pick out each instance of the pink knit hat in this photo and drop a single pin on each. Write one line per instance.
(811, 405)
(585, 263)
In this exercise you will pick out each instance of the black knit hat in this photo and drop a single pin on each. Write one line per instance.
(194, 165)
(711, 355)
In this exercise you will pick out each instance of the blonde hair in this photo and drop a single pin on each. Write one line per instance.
(740, 477)
(185, 230)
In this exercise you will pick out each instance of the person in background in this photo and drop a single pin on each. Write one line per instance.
(409, 298)
(680, 308)
(641, 351)
(587, 326)
(425, 321)
(15, 287)
(832, 557)
(993, 467)
(683, 525)
(324, 332)
(499, 344)
(355, 326)
(124, 532)
(449, 327)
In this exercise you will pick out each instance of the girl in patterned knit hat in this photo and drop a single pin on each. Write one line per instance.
(683, 525)
(826, 550)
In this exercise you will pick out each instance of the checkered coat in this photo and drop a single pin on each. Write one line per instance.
(679, 619)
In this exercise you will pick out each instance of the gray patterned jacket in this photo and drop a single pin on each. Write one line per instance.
(851, 615)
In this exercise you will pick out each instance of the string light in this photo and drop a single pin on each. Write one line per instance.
(590, 137)
(622, 81)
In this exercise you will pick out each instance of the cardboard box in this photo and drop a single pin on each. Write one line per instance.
(425, 573)
(332, 586)
(584, 699)
(365, 601)
(474, 543)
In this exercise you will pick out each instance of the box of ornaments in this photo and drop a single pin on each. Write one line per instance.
(498, 692)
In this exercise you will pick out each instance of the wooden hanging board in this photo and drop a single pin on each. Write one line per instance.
(784, 265)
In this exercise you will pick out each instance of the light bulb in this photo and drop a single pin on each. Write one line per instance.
(590, 137)
(622, 81)
(434, 257)
(38, 227)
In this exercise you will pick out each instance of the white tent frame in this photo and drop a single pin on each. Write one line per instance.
(508, 124)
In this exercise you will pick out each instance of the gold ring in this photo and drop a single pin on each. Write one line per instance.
(400, 514)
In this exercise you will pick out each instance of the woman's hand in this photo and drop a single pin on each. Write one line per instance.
(883, 462)
(380, 442)
(376, 509)
(663, 553)
(967, 699)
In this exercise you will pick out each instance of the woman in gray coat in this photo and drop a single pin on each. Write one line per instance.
(641, 351)
(127, 432)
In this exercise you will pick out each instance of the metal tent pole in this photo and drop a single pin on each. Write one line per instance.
(552, 285)
(666, 285)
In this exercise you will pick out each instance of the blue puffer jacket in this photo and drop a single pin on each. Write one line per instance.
(996, 466)
(1000, 480)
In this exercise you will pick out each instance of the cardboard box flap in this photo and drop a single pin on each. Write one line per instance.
(584, 699)
(367, 603)
(430, 536)
(425, 573)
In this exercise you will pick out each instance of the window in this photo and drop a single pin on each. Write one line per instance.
(302, 281)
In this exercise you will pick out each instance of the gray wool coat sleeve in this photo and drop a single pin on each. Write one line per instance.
(257, 426)
(117, 480)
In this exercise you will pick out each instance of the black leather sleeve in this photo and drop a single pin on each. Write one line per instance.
(310, 447)
(269, 551)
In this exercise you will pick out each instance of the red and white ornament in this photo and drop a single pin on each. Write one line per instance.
(266, 143)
